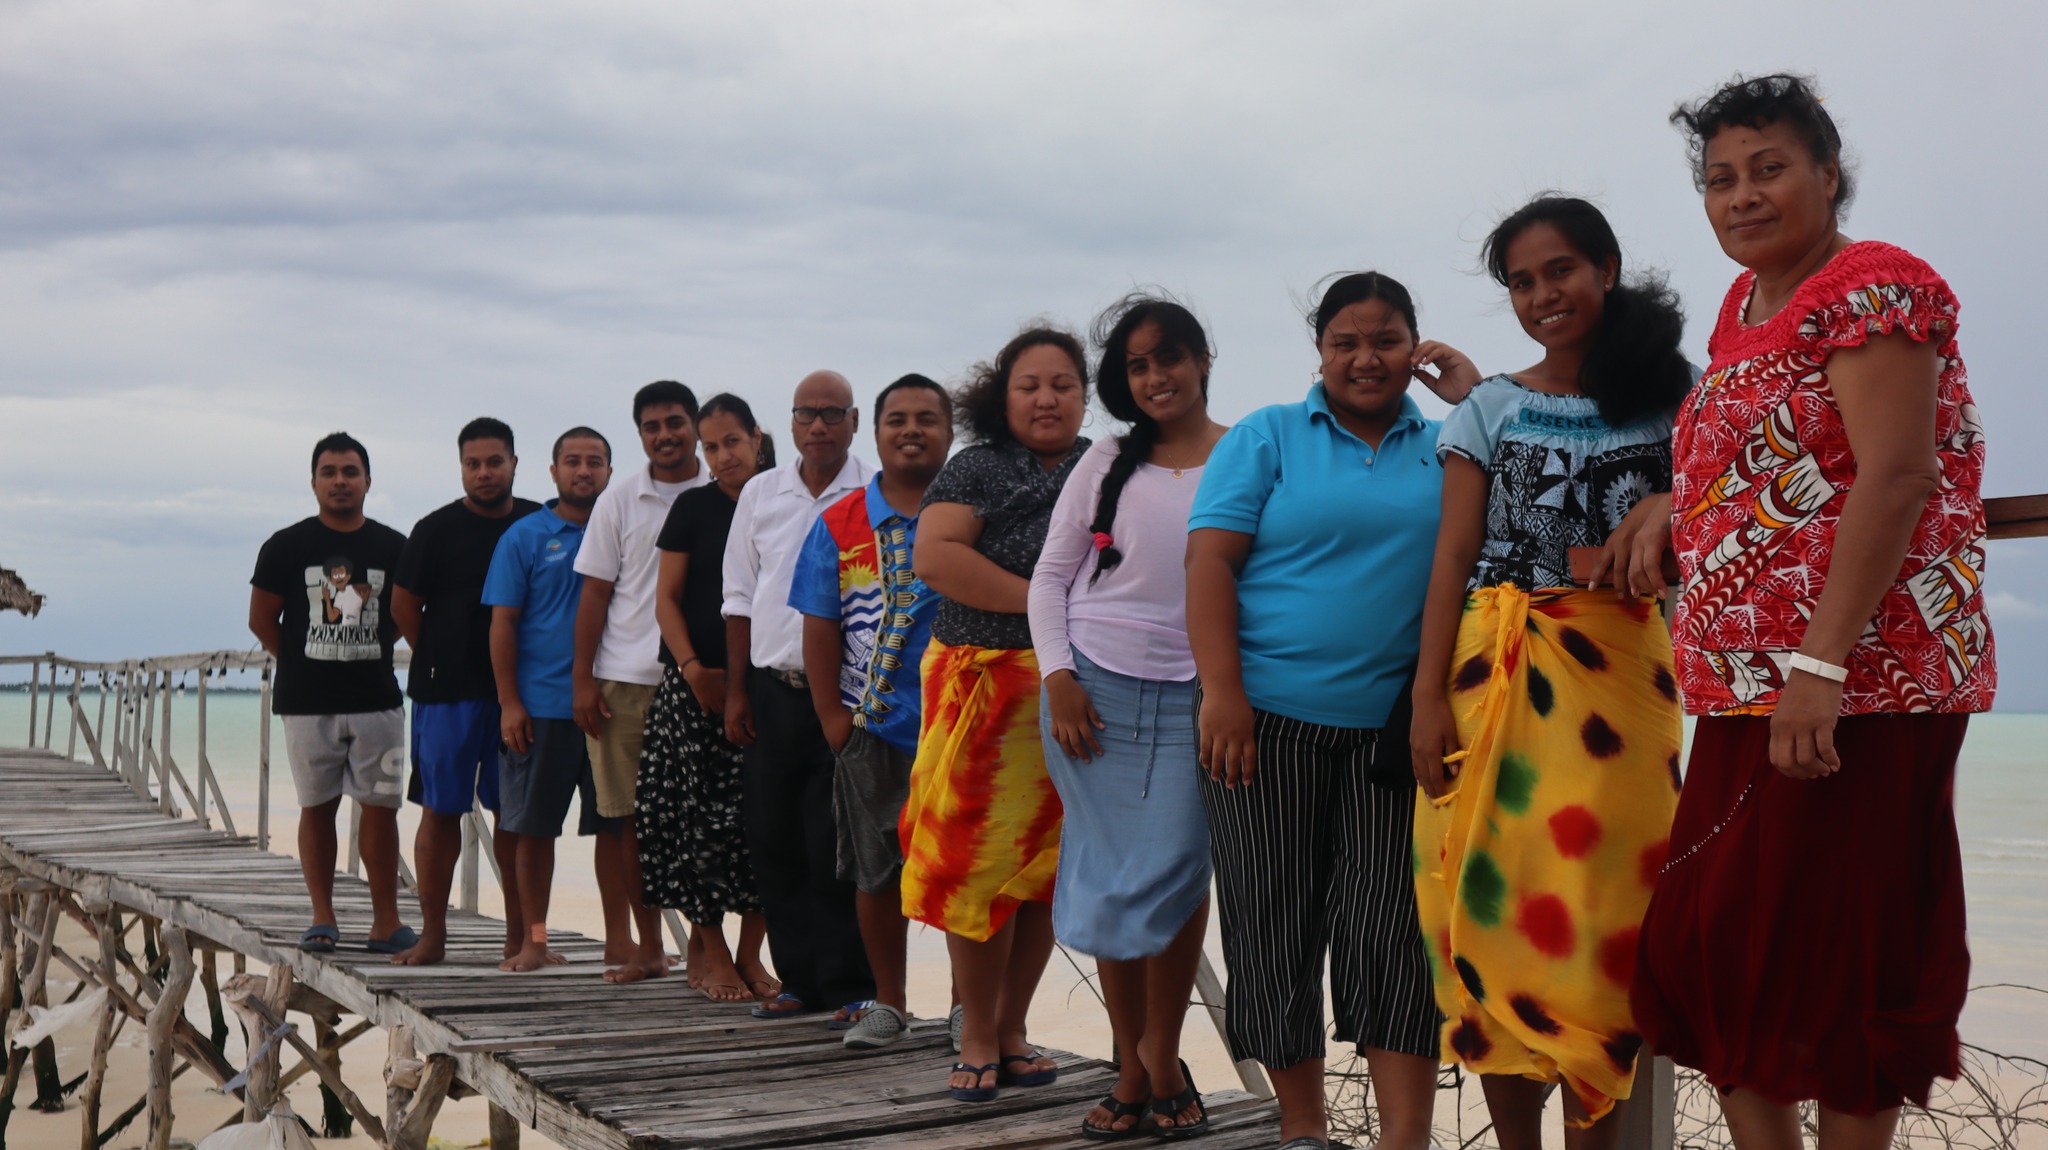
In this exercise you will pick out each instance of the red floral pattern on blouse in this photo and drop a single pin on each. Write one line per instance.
(1761, 469)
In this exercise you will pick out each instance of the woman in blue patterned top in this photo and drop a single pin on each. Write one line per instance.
(1546, 724)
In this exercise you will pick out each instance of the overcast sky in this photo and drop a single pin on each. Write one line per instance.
(226, 228)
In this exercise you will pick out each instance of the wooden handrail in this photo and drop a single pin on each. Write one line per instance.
(2007, 517)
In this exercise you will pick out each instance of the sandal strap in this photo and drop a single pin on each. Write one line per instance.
(1118, 1108)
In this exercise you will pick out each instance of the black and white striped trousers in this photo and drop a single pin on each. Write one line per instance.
(1314, 855)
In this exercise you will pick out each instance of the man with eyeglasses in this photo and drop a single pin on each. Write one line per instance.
(813, 931)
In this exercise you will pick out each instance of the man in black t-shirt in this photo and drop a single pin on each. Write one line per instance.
(320, 603)
(439, 607)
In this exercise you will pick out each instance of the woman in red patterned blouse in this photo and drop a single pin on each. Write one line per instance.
(1806, 937)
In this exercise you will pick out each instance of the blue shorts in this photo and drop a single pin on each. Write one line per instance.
(455, 755)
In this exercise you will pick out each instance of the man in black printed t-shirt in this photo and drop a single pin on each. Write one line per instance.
(439, 608)
(320, 603)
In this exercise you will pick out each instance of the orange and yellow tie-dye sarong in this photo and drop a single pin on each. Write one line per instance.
(981, 828)
(1533, 874)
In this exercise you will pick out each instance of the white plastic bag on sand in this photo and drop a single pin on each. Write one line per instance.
(280, 1131)
(44, 1021)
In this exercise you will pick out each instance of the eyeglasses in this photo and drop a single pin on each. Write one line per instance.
(833, 416)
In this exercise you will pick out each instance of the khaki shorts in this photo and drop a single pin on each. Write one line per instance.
(615, 758)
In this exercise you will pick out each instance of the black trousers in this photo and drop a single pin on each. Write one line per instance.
(1314, 857)
(813, 931)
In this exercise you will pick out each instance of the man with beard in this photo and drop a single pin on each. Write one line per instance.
(813, 931)
(618, 644)
(319, 602)
(439, 607)
(867, 621)
(532, 591)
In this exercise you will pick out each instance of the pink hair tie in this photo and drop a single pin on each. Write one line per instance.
(1102, 540)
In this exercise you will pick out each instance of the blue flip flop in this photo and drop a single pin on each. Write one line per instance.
(766, 1009)
(849, 1022)
(1029, 1078)
(401, 940)
(977, 1092)
(319, 939)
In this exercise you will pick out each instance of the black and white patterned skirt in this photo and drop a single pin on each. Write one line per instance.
(693, 843)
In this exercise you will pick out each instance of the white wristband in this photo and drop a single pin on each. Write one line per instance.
(1813, 666)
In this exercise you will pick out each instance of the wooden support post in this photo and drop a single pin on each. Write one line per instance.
(103, 1041)
(402, 1071)
(50, 705)
(262, 766)
(217, 1019)
(1209, 990)
(418, 1121)
(42, 918)
(1649, 1119)
(71, 728)
(253, 997)
(504, 1129)
(336, 1121)
(35, 688)
(327, 1064)
(163, 1017)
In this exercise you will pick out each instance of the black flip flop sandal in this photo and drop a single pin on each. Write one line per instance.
(1117, 1109)
(1170, 1108)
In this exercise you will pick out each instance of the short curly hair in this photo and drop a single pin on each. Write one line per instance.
(981, 406)
(1758, 101)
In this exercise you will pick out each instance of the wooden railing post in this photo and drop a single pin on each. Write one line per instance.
(71, 728)
(35, 684)
(50, 704)
(263, 763)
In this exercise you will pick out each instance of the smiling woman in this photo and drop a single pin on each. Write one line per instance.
(1806, 937)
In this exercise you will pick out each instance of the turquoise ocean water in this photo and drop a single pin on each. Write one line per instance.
(2001, 808)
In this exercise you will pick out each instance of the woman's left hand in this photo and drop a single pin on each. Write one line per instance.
(1074, 721)
(1803, 727)
(1454, 375)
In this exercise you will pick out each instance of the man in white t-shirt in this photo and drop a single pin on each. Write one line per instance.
(618, 662)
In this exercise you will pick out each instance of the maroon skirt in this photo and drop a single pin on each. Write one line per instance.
(1806, 937)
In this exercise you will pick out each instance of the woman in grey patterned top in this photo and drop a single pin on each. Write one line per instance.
(982, 823)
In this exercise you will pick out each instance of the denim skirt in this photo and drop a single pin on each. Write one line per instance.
(1134, 848)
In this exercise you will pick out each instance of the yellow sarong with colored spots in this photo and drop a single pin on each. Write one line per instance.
(981, 826)
(1533, 874)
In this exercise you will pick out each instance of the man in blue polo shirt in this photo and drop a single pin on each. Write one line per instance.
(867, 621)
(532, 590)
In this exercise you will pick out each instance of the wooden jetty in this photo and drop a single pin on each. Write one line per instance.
(588, 1064)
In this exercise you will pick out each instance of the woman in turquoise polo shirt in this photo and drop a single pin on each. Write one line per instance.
(1308, 558)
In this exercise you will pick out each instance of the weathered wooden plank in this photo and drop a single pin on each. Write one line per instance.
(592, 1066)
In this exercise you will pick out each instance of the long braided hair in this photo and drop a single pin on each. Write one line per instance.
(1179, 330)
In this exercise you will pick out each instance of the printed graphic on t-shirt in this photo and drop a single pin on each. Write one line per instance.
(342, 612)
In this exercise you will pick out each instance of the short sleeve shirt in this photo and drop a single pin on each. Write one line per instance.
(334, 657)
(619, 547)
(534, 570)
(1557, 476)
(444, 564)
(1763, 469)
(1013, 495)
(1330, 599)
(697, 526)
(855, 568)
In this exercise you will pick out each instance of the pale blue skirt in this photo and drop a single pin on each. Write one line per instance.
(1134, 843)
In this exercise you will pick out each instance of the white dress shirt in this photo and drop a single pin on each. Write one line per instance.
(775, 512)
(618, 546)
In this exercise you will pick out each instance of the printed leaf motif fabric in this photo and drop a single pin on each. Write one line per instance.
(1762, 470)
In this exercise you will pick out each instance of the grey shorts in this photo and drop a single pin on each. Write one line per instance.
(870, 783)
(360, 756)
(534, 789)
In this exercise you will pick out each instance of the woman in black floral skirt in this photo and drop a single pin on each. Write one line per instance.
(693, 849)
